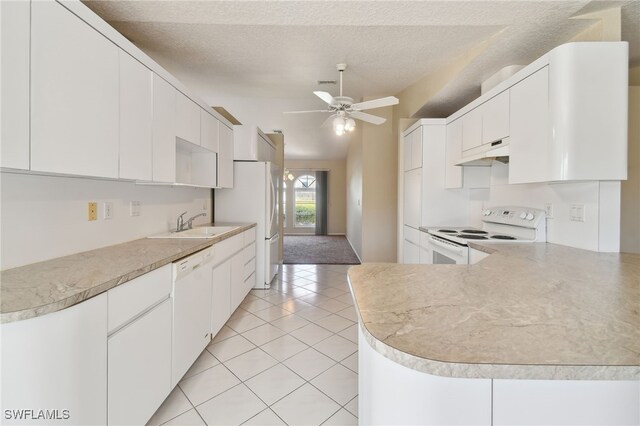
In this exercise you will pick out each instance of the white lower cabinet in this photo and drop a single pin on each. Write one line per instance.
(140, 367)
(220, 296)
(237, 281)
(57, 361)
(392, 394)
(411, 253)
(566, 402)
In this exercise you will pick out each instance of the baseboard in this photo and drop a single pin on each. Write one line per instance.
(354, 250)
(338, 234)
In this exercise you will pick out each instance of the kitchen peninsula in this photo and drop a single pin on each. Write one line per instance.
(533, 333)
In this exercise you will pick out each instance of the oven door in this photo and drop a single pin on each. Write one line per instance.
(447, 253)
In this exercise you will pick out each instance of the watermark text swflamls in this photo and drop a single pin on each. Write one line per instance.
(31, 414)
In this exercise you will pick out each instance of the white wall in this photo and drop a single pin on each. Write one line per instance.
(354, 192)
(44, 217)
(592, 234)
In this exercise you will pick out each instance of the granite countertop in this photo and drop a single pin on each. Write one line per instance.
(44, 287)
(527, 311)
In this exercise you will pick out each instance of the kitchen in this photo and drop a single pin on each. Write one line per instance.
(47, 194)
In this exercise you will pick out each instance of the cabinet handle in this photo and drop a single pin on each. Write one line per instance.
(496, 143)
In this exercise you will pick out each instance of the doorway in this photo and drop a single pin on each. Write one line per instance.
(299, 203)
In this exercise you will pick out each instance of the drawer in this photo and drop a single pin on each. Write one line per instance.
(227, 248)
(249, 253)
(249, 269)
(130, 299)
(412, 234)
(424, 239)
(249, 236)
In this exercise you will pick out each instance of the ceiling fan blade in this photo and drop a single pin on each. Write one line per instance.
(369, 118)
(375, 103)
(325, 96)
(304, 112)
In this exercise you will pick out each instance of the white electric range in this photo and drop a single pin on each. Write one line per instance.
(500, 224)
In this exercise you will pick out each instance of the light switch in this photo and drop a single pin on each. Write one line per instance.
(108, 210)
(576, 212)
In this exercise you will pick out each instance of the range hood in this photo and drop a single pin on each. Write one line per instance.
(496, 151)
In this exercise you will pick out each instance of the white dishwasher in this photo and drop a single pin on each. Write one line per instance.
(191, 310)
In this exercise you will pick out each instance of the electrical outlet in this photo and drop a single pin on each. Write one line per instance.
(108, 210)
(134, 208)
(548, 208)
(577, 212)
(92, 211)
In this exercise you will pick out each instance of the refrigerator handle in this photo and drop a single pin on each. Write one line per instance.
(273, 200)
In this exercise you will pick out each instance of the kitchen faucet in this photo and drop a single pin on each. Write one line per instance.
(183, 225)
(190, 220)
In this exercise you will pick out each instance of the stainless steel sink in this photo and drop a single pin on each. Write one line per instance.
(199, 232)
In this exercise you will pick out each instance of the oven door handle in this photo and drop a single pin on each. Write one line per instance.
(447, 246)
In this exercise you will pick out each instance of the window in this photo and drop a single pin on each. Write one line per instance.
(305, 201)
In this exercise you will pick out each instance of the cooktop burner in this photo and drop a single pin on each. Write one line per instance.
(473, 237)
(473, 231)
(448, 231)
(502, 237)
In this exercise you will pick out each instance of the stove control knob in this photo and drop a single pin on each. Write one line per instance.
(523, 215)
(530, 216)
(486, 213)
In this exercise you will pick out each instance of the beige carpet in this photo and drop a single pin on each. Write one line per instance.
(318, 249)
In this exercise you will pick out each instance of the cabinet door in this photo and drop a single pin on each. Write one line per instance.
(529, 129)
(220, 296)
(453, 155)
(225, 157)
(472, 129)
(187, 119)
(209, 131)
(74, 95)
(411, 253)
(495, 118)
(58, 360)
(237, 280)
(14, 53)
(136, 117)
(406, 152)
(164, 131)
(412, 198)
(191, 319)
(416, 148)
(140, 367)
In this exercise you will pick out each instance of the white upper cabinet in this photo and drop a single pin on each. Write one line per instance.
(495, 118)
(588, 111)
(528, 147)
(208, 131)
(569, 118)
(187, 119)
(74, 95)
(225, 157)
(472, 129)
(164, 131)
(14, 32)
(453, 154)
(413, 150)
(136, 116)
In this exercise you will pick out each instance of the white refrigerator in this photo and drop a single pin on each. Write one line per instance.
(255, 198)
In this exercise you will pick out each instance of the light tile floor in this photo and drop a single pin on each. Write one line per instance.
(287, 356)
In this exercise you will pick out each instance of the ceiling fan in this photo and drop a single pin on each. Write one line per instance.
(343, 110)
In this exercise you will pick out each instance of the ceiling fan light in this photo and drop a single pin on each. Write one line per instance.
(350, 125)
(339, 125)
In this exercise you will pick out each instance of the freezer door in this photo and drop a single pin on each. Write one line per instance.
(273, 179)
(271, 262)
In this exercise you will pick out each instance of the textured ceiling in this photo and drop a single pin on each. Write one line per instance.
(259, 58)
